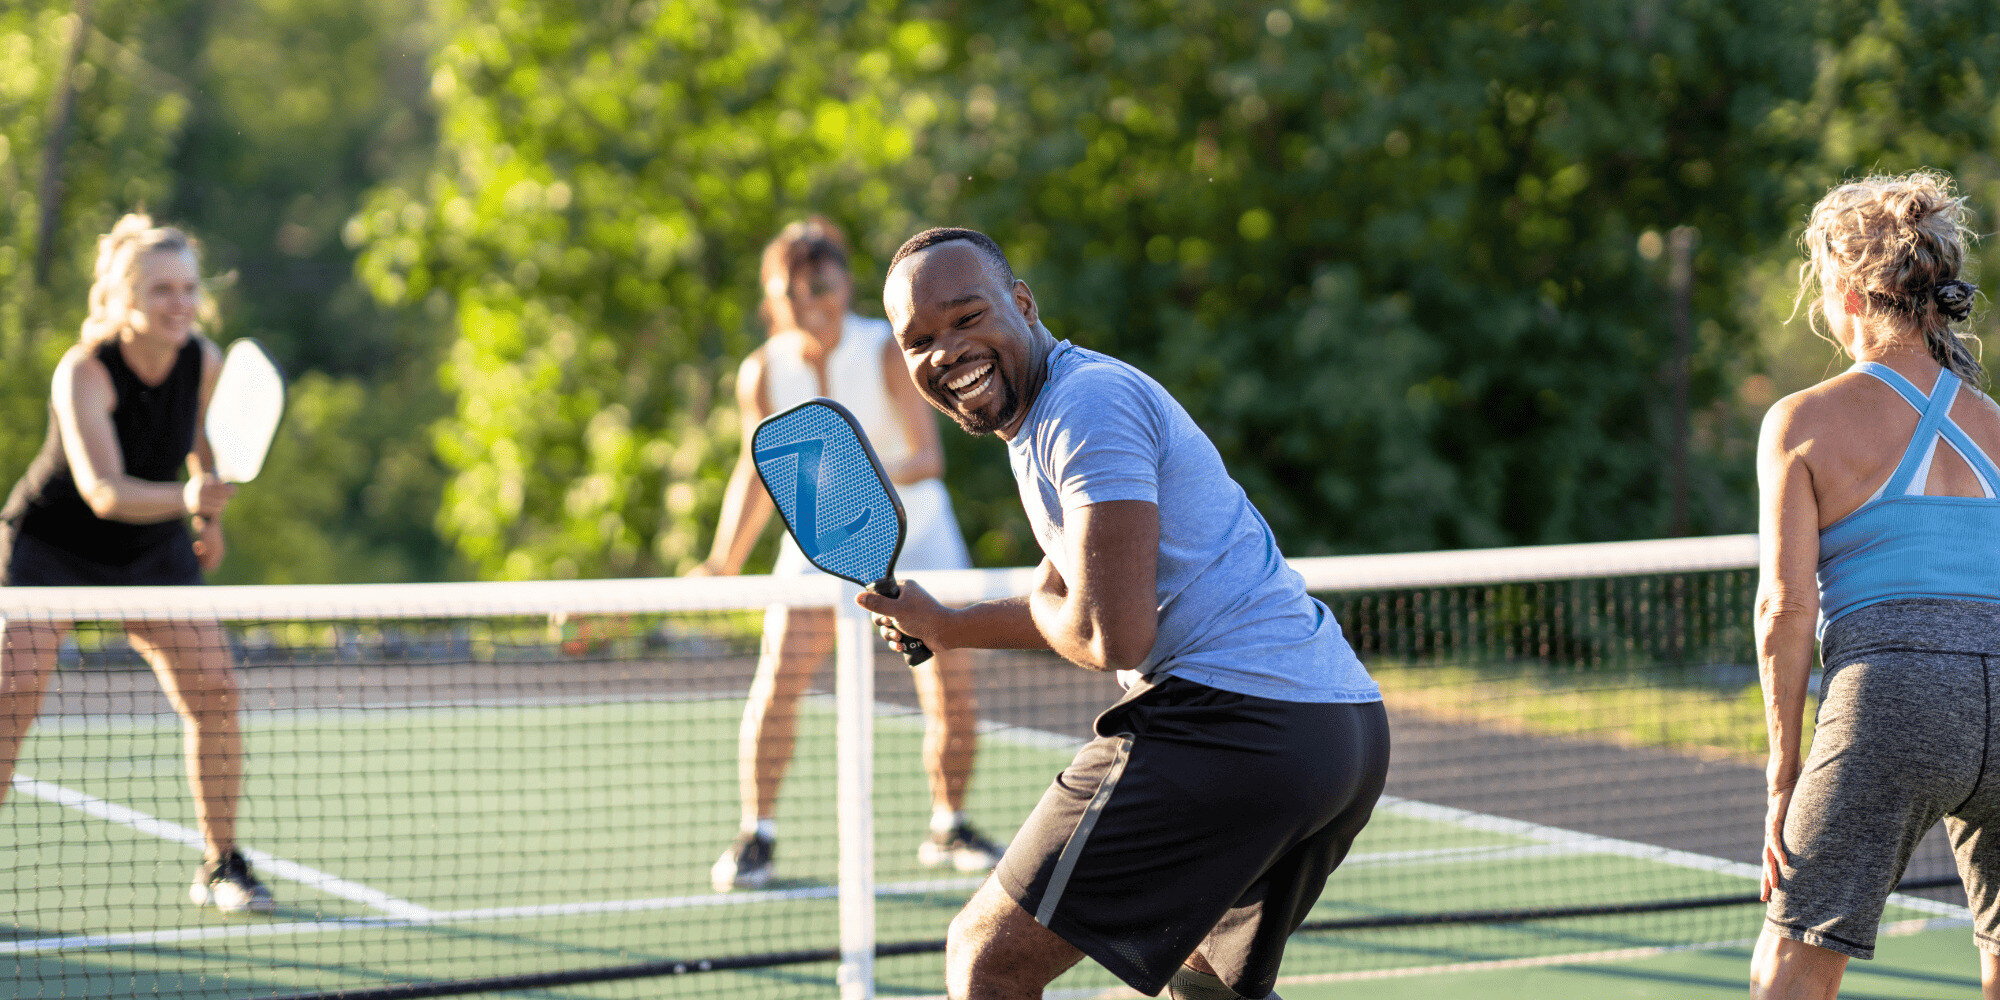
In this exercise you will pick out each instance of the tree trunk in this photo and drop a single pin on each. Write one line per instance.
(1680, 295)
(62, 118)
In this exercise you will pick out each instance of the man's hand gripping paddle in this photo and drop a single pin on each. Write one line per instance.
(835, 499)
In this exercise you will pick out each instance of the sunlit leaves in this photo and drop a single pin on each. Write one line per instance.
(1392, 257)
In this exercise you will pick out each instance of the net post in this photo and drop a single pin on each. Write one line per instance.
(854, 696)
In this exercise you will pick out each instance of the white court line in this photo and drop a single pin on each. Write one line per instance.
(1452, 855)
(176, 833)
(1550, 842)
(78, 942)
(1897, 929)
(1590, 843)
(910, 888)
(1566, 841)
(154, 721)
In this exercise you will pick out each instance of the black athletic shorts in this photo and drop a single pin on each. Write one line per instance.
(1198, 818)
(31, 562)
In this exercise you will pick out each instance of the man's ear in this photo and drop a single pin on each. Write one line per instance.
(1024, 300)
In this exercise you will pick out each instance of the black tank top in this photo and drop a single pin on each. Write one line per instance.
(155, 425)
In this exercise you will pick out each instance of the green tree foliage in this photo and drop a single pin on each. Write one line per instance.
(1897, 86)
(122, 126)
(606, 179)
(255, 125)
(1393, 257)
(300, 107)
(1403, 264)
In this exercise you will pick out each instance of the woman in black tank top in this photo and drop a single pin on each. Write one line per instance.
(104, 504)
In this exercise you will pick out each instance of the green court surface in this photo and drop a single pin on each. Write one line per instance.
(420, 843)
(1931, 965)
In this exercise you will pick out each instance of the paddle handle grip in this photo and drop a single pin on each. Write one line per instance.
(914, 650)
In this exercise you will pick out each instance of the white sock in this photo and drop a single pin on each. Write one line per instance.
(764, 827)
(946, 820)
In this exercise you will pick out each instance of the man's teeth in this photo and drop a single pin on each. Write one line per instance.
(958, 384)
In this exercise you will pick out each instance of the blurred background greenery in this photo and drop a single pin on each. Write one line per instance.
(1431, 275)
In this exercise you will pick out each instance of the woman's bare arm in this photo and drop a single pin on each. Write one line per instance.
(208, 543)
(1787, 586)
(82, 398)
(745, 507)
(1787, 612)
(919, 422)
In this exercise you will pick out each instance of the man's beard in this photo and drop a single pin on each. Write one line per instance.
(978, 424)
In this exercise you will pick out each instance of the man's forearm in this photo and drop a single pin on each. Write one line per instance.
(1003, 624)
(1067, 630)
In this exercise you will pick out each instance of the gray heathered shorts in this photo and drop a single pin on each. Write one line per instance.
(1906, 735)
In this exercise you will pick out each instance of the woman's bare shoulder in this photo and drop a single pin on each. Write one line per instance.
(80, 363)
(1838, 396)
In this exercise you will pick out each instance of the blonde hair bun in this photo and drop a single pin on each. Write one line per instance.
(1899, 242)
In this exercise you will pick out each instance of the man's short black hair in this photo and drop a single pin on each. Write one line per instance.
(946, 234)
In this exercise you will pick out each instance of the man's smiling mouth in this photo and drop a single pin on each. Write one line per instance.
(973, 383)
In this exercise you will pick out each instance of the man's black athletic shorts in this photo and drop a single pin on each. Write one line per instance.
(1198, 817)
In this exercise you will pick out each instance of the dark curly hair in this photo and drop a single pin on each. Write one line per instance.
(946, 234)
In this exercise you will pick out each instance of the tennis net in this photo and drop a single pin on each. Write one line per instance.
(519, 789)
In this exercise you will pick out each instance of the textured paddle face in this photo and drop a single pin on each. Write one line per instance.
(831, 490)
(244, 411)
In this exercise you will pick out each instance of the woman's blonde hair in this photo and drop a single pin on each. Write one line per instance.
(1898, 243)
(117, 272)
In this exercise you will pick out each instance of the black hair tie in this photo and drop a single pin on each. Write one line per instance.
(1954, 298)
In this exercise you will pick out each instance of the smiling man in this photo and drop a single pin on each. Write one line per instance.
(1186, 842)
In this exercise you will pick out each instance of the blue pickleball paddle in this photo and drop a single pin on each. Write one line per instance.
(835, 498)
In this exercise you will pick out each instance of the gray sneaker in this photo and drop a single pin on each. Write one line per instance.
(745, 865)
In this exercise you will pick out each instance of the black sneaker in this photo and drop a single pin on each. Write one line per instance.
(746, 865)
(963, 848)
(228, 885)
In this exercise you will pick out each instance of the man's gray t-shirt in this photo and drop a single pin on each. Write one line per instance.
(1233, 615)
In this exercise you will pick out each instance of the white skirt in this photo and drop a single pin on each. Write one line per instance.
(931, 540)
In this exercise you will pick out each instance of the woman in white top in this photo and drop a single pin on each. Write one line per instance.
(816, 347)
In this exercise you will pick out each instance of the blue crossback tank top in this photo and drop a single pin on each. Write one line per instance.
(1903, 543)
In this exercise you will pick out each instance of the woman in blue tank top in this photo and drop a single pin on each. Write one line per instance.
(1880, 529)
(103, 504)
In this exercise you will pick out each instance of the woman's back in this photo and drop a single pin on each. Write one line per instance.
(1858, 428)
(1909, 499)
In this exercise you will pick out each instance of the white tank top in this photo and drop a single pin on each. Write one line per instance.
(854, 380)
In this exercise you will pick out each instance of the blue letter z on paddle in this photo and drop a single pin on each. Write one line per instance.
(819, 470)
(805, 499)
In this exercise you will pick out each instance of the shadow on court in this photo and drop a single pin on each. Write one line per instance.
(34, 978)
(1741, 957)
(1659, 797)
(1674, 979)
